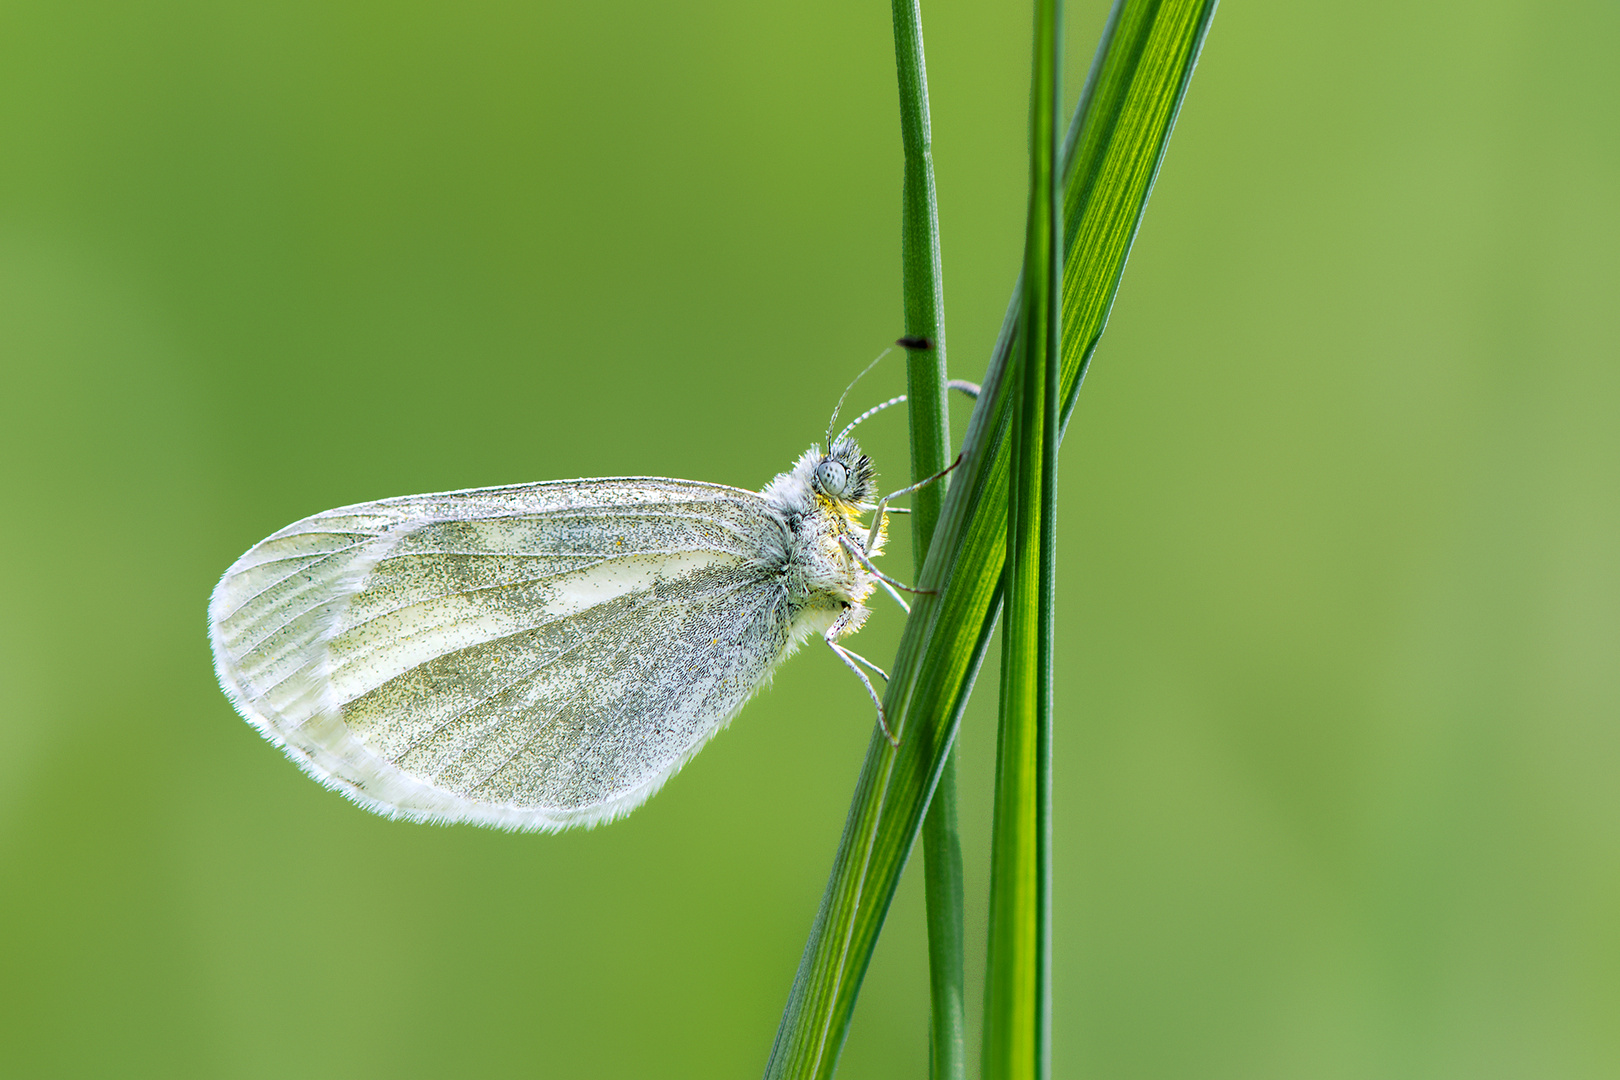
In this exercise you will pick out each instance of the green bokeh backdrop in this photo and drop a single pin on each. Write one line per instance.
(1338, 752)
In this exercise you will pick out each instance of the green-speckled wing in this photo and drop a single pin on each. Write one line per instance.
(530, 657)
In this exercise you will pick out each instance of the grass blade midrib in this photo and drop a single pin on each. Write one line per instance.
(1017, 966)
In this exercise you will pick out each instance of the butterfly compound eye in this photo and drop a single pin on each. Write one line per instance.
(833, 477)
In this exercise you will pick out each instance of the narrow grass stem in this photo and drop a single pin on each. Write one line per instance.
(924, 302)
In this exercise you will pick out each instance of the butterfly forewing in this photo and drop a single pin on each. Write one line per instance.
(533, 656)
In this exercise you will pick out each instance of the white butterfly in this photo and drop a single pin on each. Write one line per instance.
(542, 655)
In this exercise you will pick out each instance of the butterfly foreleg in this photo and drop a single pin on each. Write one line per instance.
(883, 503)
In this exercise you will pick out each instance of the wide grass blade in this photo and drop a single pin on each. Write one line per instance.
(1017, 1009)
(923, 293)
(1115, 145)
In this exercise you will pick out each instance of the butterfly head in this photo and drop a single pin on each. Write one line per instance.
(844, 477)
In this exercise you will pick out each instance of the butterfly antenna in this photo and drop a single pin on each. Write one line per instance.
(959, 385)
(845, 394)
(869, 413)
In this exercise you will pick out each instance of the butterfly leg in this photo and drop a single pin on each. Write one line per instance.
(859, 659)
(924, 482)
(888, 583)
(884, 579)
(850, 659)
(883, 503)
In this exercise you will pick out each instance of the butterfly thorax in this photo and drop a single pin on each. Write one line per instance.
(818, 506)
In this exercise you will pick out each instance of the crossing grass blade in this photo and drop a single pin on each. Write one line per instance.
(1018, 981)
(1115, 145)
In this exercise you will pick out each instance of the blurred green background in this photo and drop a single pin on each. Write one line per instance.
(1340, 631)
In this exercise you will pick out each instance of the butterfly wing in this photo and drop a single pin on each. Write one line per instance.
(531, 657)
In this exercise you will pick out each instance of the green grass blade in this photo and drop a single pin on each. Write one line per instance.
(1017, 1037)
(1116, 143)
(924, 300)
(942, 887)
(922, 281)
